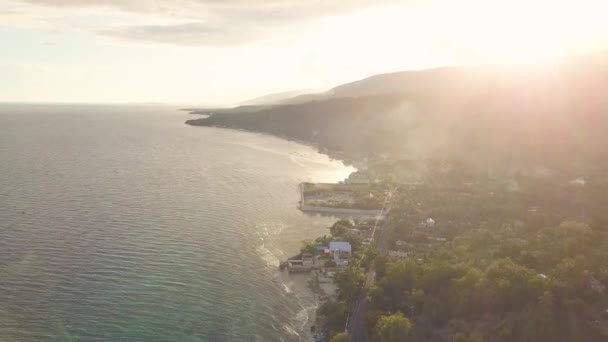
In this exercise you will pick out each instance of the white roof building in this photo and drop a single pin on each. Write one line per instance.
(428, 223)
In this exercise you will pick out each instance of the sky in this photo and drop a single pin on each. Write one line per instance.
(219, 52)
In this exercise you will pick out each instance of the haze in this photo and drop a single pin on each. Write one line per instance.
(223, 52)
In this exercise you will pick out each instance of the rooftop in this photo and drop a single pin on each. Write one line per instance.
(340, 246)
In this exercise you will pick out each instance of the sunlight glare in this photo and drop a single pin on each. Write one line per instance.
(478, 31)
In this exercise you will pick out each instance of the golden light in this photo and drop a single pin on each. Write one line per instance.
(520, 31)
(473, 31)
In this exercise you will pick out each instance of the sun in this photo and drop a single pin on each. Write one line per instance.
(520, 31)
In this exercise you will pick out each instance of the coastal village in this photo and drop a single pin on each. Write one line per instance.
(479, 210)
(396, 238)
(360, 202)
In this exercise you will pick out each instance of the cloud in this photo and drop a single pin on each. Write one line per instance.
(179, 8)
(264, 9)
(189, 34)
(208, 22)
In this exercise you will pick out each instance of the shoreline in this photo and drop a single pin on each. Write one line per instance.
(312, 288)
(333, 155)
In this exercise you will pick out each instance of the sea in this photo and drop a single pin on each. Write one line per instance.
(122, 223)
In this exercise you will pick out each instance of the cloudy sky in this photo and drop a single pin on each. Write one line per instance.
(224, 51)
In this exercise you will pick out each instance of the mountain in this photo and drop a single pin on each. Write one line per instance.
(552, 114)
(275, 98)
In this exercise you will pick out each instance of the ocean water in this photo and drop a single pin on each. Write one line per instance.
(121, 223)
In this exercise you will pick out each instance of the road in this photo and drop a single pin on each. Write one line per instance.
(356, 323)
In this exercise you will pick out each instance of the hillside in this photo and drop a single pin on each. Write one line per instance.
(275, 98)
(544, 115)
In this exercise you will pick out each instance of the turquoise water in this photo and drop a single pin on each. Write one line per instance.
(120, 223)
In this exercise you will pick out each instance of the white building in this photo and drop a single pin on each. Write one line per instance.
(300, 263)
(428, 223)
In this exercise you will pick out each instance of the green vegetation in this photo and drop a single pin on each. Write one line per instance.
(511, 284)
(512, 265)
(344, 196)
(311, 247)
(514, 182)
(509, 257)
(349, 280)
(335, 314)
(340, 228)
(341, 337)
(394, 328)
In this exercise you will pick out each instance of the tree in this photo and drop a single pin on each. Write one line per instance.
(341, 337)
(547, 323)
(349, 281)
(369, 254)
(335, 313)
(323, 240)
(462, 337)
(354, 240)
(394, 328)
(464, 299)
(546, 303)
(340, 227)
(400, 277)
(371, 319)
(311, 246)
(380, 265)
(509, 286)
(378, 298)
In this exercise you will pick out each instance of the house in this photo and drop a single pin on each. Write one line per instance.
(300, 263)
(597, 286)
(340, 251)
(397, 255)
(428, 223)
(355, 231)
(401, 243)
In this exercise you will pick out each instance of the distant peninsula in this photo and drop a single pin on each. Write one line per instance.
(467, 113)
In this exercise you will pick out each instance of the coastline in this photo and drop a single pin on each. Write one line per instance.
(305, 287)
(333, 155)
